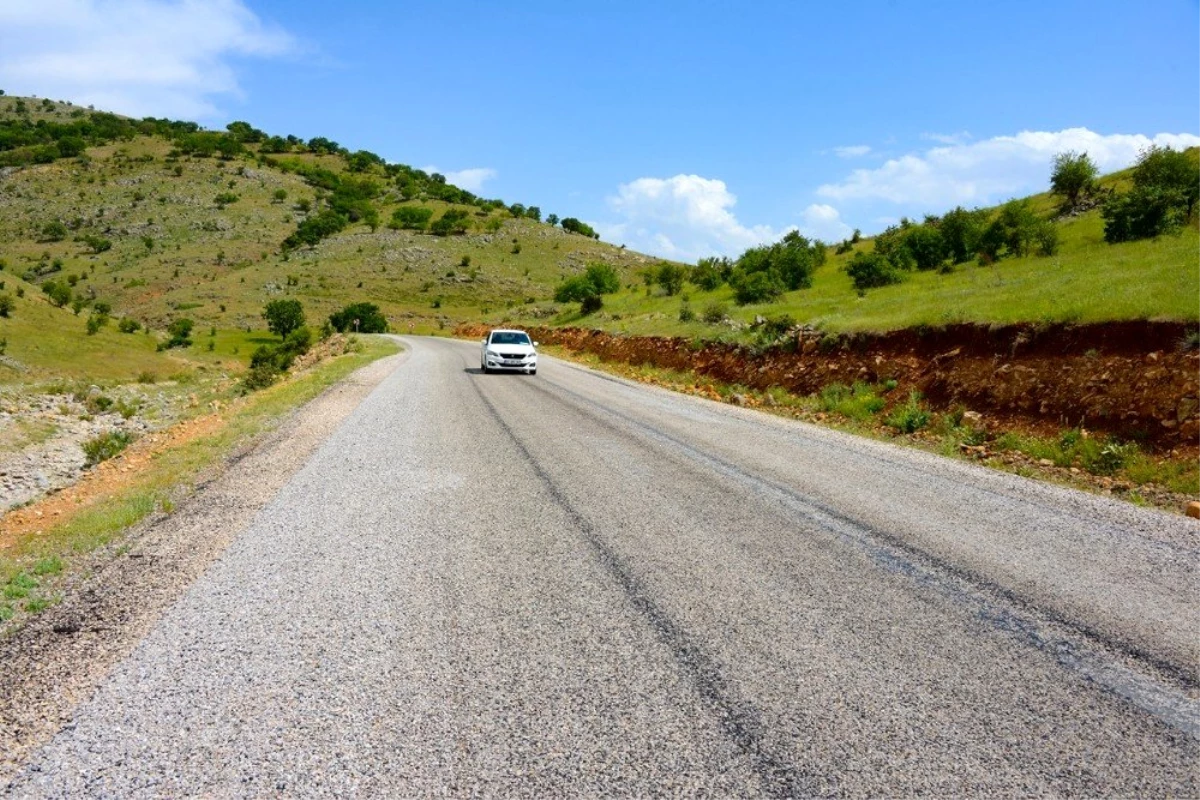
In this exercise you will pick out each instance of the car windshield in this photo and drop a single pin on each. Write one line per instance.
(505, 337)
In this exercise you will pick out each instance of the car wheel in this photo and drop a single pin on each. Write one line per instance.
(483, 368)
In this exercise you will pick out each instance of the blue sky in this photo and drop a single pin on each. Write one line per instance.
(679, 128)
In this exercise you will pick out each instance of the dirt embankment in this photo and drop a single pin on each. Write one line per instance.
(1134, 380)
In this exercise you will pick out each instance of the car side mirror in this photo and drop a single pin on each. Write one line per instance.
(484, 340)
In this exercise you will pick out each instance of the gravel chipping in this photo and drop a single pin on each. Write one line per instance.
(572, 585)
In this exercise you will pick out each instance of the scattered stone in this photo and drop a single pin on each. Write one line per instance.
(1193, 510)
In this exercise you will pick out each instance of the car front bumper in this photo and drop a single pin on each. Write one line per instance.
(511, 364)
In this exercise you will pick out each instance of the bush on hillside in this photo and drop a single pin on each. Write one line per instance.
(1164, 194)
(359, 318)
(312, 230)
(755, 287)
(871, 270)
(411, 218)
(710, 273)
(576, 226)
(179, 334)
(452, 221)
(7, 304)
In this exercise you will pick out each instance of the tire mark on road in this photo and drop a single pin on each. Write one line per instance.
(739, 719)
(992, 604)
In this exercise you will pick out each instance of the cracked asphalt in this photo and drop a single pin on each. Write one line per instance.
(569, 584)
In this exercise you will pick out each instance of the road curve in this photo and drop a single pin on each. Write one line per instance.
(568, 584)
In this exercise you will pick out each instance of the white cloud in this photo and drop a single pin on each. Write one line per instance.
(991, 170)
(136, 57)
(685, 218)
(962, 137)
(471, 179)
(824, 222)
(852, 151)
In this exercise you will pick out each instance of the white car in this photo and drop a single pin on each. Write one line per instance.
(508, 350)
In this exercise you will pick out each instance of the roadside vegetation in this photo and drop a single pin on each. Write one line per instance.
(34, 565)
(1073, 456)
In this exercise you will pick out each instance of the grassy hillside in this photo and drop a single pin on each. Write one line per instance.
(200, 237)
(176, 251)
(1087, 280)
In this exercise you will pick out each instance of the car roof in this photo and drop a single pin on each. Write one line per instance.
(507, 330)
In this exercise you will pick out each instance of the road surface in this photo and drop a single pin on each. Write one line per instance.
(569, 584)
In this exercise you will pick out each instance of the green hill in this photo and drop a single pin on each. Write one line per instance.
(162, 220)
(1086, 280)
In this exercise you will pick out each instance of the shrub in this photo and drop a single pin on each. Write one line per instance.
(54, 231)
(755, 287)
(312, 230)
(95, 322)
(927, 246)
(575, 226)
(710, 273)
(715, 313)
(260, 377)
(179, 334)
(368, 317)
(7, 304)
(871, 270)
(129, 325)
(686, 314)
(591, 304)
(670, 277)
(98, 244)
(411, 218)
(453, 221)
(58, 293)
(224, 199)
(910, 417)
(597, 279)
(105, 446)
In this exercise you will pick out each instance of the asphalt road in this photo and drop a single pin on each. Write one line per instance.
(568, 585)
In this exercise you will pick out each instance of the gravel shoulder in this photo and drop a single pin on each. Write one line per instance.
(59, 657)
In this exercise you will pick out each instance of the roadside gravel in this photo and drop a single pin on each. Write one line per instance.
(570, 585)
(61, 655)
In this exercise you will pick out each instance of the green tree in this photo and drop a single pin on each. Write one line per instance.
(960, 231)
(452, 221)
(54, 231)
(283, 316)
(552, 219)
(179, 333)
(411, 218)
(575, 226)
(927, 246)
(58, 293)
(1073, 177)
(871, 270)
(670, 277)
(1171, 172)
(359, 318)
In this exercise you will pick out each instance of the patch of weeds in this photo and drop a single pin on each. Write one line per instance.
(859, 402)
(6, 612)
(105, 446)
(910, 417)
(36, 604)
(19, 586)
(51, 565)
(146, 376)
